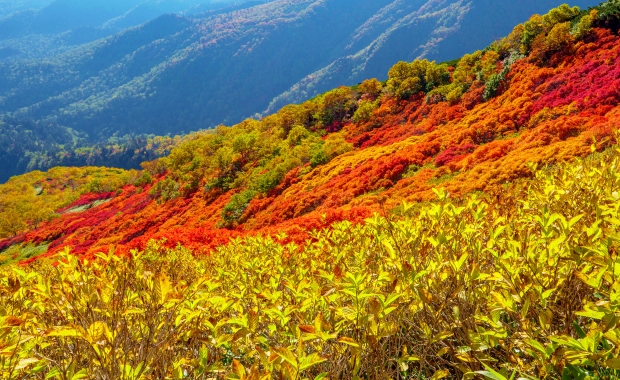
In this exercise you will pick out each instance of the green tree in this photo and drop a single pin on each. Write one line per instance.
(234, 209)
(364, 111)
(559, 15)
(531, 29)
(320, 158)
(584, 26)
(335, 105)
(436, 75)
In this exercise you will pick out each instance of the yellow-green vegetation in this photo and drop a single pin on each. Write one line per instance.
(255, 155)
(18, 252)
(523, 283)
(31, 199)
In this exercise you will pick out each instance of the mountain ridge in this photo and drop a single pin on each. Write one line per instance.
(223, 86)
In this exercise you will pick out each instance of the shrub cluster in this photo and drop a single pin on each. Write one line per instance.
(523, 282)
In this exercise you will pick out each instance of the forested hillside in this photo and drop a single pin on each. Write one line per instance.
(42, 28)
(458, 220)
(178, 74)
(547, 92)
(448, 289)
(43, 145)
(10, 6)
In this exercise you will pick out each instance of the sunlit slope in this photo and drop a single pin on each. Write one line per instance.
(522, 282)
(545, 94)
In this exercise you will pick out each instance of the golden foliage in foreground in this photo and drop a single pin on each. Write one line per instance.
(523, 284)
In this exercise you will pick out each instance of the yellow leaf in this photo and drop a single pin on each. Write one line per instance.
(64, 332)
(389, 248)
(613, 363)
(133, 310)
(25, 363)
(591, 314)
(349, 341)
(287, 355)
(440, 374)
(162, 287)
(441, 336)
(310, 361)
(459, 264)
(238, 368)
(593, 279)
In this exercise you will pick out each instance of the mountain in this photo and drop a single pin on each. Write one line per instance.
(61, 16)
(179, 74)
(457, 220)
(50, 28)
(32, 145)
(10, 6)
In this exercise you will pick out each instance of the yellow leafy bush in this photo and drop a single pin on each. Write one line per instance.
(520, 282)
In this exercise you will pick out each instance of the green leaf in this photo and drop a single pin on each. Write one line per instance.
(25, 363)
(539, 347)
(54, 372)
(580, 333)
(82, 374)
(491, 373)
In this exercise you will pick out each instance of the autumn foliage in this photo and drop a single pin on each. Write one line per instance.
(519, 283)
(443, 224)
(542, 95)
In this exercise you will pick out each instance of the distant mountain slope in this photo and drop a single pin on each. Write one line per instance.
(406, 30)
(176, 74)
(48, 27)
(10, 6)
(63, 15)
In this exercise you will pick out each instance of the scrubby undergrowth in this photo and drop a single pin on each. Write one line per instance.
(522, 281)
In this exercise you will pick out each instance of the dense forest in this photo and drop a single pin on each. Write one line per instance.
(457, 220)
(29, 145)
